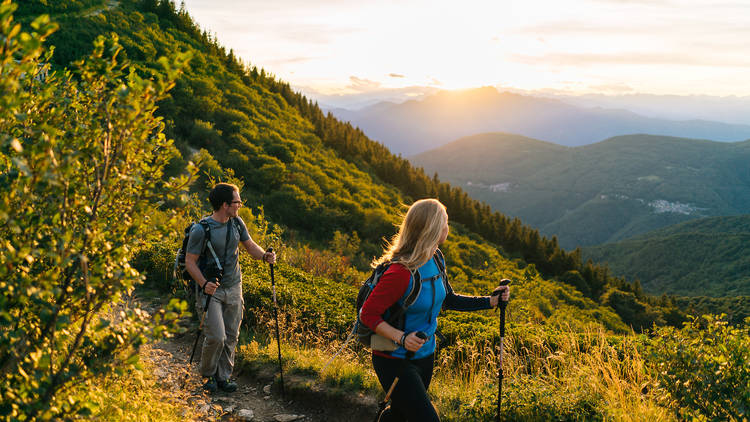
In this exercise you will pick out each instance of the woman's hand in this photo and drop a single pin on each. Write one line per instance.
(500, 292)
(413, 343)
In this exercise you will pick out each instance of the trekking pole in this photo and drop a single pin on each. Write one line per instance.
(200, 327)
(387, 398)
(276, 318)
(501, 304)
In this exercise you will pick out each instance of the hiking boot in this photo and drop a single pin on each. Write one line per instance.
(211, 385)
(226, 386)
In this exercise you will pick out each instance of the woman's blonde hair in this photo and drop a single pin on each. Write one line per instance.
(418, 236)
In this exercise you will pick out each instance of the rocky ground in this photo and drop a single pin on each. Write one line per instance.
(257, 398)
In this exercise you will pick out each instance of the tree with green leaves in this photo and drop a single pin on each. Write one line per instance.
(81, 176)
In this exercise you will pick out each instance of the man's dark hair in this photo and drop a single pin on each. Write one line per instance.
(221, 193)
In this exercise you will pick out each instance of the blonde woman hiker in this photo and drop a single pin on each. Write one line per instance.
(414, 253)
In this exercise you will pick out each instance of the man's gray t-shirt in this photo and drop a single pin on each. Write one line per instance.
(232, 274)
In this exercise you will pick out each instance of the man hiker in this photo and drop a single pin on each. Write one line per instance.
(222, 285)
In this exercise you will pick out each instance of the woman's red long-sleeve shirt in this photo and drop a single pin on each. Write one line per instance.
(390, 288)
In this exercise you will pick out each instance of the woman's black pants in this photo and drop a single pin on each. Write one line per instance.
(409, 400)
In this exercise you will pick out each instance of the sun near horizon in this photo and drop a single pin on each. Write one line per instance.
(587, 46)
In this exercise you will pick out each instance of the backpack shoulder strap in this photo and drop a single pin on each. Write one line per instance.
(439, 260)
(379, 271)
(206, 227)
(416, 288)
(226, 242)
(207, 241)
(440, 264)
(206, 232)
(397, 311)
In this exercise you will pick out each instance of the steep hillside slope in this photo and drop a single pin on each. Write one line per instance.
(222, 116)
(705, 257)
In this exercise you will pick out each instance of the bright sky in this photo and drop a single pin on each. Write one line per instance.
(608, 46)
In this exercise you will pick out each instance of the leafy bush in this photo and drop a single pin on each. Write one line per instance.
(324, 264)
(83, 165)
(703, 369)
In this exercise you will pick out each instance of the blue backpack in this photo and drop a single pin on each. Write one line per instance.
(396, 314)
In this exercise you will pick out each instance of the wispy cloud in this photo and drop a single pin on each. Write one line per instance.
(568, 27)
(535, 44)
(628, 58)
(694, 26)
(612, 88)
(315, 33)
(363, 85)
(291, 60)
(358, 100)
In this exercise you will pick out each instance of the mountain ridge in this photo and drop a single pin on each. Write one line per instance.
(416, 126)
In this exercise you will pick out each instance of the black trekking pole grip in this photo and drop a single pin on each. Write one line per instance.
(276, 318)
(423, 336)
(200, 326)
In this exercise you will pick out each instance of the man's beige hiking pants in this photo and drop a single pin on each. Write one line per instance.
(221, 329)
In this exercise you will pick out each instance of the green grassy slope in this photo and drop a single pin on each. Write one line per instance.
(237, 121)
(224, 117)
(603, 192)
(705, 257)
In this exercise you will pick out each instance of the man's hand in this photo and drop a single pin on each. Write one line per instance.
(269, 257)
(210, 287)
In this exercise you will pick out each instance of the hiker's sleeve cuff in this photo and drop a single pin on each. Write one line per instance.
(456, 302)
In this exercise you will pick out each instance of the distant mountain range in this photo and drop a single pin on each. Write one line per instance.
(727, 109)
(708, 256)
(598, 193)
(416, 126)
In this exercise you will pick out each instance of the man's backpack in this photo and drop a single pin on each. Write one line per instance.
(179, 271)
(396, 314)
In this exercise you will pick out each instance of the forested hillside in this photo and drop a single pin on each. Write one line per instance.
(309, 171)
(704, 257)
(94, 201)
(605, 192)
